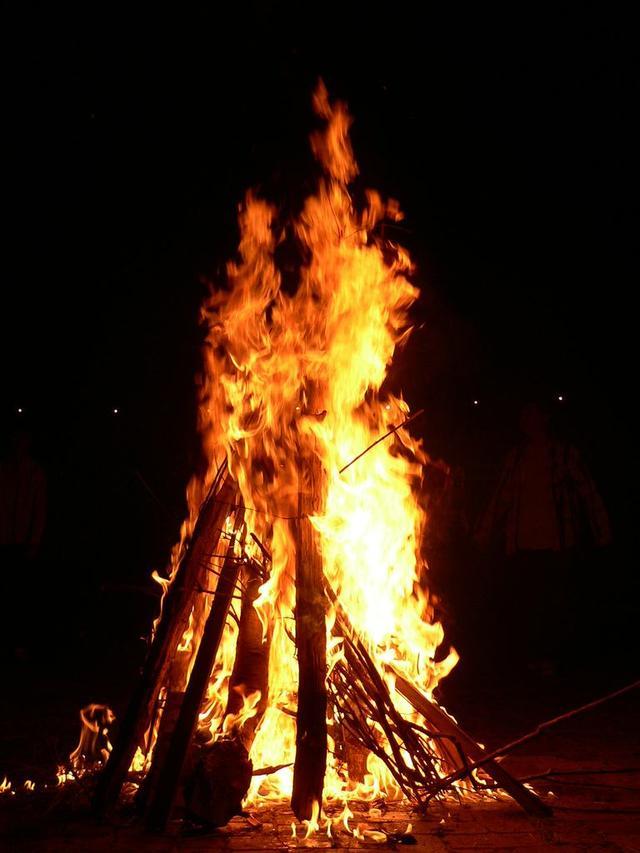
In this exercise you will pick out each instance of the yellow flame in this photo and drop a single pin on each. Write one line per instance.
(94, 722)
(186, 643)
(312, 824)
(64, 775)
(301, 374)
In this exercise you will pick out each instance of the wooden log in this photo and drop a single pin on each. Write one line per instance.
(217, 782)
(170, 774)
(251, 664)
(442, 723)
(170, 711)
(173, 622)
(311, 734)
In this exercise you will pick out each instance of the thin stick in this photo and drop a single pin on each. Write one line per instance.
(382, 438)
(267, 771)
(265, 553)
(538, 730)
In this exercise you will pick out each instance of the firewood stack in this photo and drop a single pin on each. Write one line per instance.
(209, 781)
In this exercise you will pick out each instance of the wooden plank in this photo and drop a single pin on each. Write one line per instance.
(311, 718)
(442, 723)
(173, 623)
(170, 774)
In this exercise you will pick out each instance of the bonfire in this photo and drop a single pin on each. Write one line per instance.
(296, 651)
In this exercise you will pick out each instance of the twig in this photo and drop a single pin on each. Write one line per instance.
(265, 552)
(382, 438)
(267, 771)
(263, 511)
(503, 750)
(597, 772)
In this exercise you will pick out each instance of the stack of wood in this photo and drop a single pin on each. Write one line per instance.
(211, 779)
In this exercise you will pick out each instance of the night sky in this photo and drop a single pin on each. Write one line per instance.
(130, 136)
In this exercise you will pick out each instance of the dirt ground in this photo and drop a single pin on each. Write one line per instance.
(588, 769)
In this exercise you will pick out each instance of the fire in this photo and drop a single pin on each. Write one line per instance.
(94, 745)
(291, 374)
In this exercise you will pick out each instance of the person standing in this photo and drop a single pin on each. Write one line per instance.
(543, 516)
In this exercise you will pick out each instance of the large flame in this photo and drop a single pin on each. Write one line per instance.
(289, 374)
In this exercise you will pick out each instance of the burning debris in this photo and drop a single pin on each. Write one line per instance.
(94, 746)
(294, 635)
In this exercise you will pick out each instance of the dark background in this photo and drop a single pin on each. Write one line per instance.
(129, 137)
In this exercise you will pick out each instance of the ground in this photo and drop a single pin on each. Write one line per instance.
(594, 787)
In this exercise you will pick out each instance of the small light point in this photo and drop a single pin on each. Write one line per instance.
(475, 402)
(116, 411)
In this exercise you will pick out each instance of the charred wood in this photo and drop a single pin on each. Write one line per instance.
(311, 724)
(171, 772)
(173, 622)
(217, 781)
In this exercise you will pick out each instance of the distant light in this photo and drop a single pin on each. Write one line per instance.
(115, 411)
(19, 411)
(475, 402)
(560, 398)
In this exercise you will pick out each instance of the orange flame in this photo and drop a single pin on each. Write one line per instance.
(305, 370)
(94, 745)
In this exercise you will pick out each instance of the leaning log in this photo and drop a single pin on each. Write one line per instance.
(174, 620)
(170, 774)
(444, 725)
(217, 778)
(311, 733)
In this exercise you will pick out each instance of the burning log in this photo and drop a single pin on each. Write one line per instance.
(218, 782)
(251, 666)
(171, 772)
(218, 779)
(311, 719)
(169, 709)
(173, 622)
